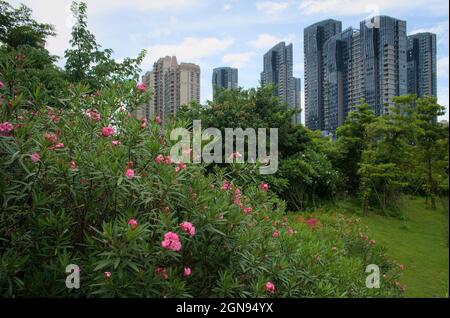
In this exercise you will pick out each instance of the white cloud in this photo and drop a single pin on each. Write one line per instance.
(265, 41)
(191, 49)
(227, 7)
(158, 33)
(442, 67)
(270, 7)
(357, 7)
(58, 14)
(439, 28)
(238, 60)
(142, 5)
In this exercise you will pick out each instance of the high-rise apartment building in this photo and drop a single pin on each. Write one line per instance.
(315, 37)
(383, 51)
(297, 100)
(342, 80)
(341, 68)
(172, 85)
(224, 77)
(278, 70)
(422, 77)
(188, 83)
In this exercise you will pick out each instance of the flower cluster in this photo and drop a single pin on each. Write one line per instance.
(187, 227)
(6, 129)
(270, 287)
(171, 242)
(108, 131)
(161, 159)
(141, 87)
(92, 114)
(133, 224)
(181, 166)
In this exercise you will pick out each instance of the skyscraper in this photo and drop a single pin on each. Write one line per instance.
(342, 79)
(315, 37)
(224, 77)
(278, 70)
(383, 49)
(172, 85)
(188, 83)
(297, 100)
(422, 77)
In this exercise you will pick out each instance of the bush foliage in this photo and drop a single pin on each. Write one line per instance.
(68, 195)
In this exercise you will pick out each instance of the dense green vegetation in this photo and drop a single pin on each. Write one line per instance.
(418, 240)
(84, 181)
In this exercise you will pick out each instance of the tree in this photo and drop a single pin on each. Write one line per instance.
(352, 139)
(89, 65)
(18, 28)
(432, 148)
(26, 68)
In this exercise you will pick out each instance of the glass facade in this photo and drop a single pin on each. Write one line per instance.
(315, 37)
(383, 49)
(278, 70)
(224, 77)
(422, 77)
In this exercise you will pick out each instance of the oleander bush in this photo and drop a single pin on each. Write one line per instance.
(92, 185)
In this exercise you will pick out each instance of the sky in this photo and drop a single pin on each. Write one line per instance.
(237, 33)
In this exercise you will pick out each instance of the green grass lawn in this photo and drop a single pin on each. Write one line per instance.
(419, 241)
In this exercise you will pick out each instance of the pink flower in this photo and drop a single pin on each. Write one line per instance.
(235, 155)
(143, 122)
(57, 146)
(107, 274)
(2, 85)
(116, 143)
(291, 232)
(187, 227)
(35, 157)
(72, 165)
(92, 114)
(51, 137)
(108, 131)
(168, 160)
(180, 167)
(226, 185)
(248, 210)
(159, 159)
(133, 224)
(276, 234)
(238, 202)
(158, 120)
(187, 272)
(162, 272)
(129, 174)
(171, 242)
(270, 287)
(6, 128)
(237, 192)
(311, 222)
(55, 119)
(141, 87)
(264, 186)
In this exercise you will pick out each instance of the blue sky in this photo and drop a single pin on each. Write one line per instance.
(235, 33)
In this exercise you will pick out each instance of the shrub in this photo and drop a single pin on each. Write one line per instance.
(93, 185)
